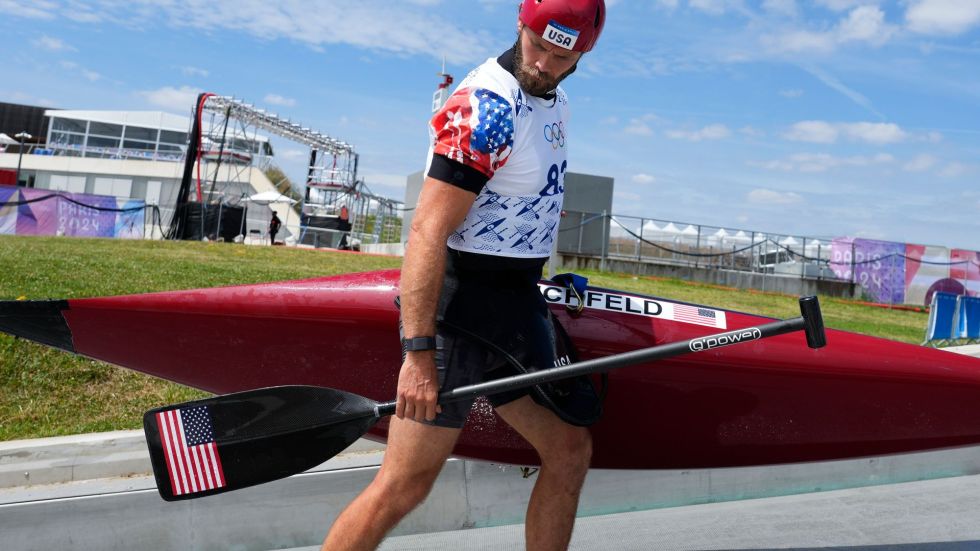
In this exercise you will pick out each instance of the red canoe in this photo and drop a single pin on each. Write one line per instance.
(765, 402)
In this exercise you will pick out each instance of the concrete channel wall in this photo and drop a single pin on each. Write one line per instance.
(122, 510)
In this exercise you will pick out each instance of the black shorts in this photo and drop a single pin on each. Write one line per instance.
(503, 306)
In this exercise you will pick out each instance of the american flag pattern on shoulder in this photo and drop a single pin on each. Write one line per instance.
(517, 141)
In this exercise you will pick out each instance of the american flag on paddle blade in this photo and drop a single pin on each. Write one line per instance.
(693, 314)
(189, 448)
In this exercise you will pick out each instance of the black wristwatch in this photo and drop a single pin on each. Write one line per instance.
(417, 344)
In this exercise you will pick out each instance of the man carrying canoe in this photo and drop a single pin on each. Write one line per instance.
(484, 227)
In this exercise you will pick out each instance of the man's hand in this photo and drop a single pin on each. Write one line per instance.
(418, 387)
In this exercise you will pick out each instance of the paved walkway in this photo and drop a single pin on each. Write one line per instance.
(933, 515)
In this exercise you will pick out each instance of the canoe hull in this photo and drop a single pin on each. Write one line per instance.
(765, 402)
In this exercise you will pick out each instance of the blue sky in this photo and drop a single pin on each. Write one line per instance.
(823, 118)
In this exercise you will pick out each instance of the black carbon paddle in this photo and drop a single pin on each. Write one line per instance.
(238, 440)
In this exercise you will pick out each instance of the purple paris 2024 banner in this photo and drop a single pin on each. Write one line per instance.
(878, 266)
(26, 211)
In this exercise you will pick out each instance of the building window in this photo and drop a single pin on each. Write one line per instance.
(70, 125)
(97, 141)
(105, 129)
(140, 133)
(142, 146)
(171, 137)
(67, 139)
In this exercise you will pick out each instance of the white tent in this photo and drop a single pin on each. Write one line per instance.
(666, 233)
(649, 228)
(690, 233)
(789, 242)
(718, 238)
(7, 140)
(741, 237)
(272, 197)
(269, 197)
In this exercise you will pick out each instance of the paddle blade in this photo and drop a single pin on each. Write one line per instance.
(229, 442)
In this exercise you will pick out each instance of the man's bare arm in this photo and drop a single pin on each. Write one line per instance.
(441, 209)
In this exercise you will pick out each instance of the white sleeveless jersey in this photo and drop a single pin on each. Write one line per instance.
(516, 140)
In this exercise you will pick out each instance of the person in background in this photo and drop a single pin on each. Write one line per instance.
(274, 226)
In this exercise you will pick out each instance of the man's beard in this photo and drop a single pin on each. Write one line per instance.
(530, 79)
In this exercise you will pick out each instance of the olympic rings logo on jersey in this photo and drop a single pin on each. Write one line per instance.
(555, 134)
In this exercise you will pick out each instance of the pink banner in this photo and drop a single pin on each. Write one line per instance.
(26, 211)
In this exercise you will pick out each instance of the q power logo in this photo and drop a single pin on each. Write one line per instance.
(725, 339)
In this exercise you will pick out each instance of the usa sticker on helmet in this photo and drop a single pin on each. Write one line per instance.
(560, 35)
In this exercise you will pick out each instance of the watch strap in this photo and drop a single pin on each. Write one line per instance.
(417, 344)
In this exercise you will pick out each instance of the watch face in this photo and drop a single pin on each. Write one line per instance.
(416, 344)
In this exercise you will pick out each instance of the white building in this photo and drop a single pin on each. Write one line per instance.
(139, 155)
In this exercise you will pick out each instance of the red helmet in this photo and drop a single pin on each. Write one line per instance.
(572, 24)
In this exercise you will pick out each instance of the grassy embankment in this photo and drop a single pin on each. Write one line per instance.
(45, 392)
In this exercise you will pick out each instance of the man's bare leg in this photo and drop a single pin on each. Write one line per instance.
(412, 461)
(565, 451)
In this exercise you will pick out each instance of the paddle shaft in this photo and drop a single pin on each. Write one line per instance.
(634, 357)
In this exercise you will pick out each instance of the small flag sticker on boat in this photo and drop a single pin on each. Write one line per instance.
(191, 453)
(698, 316)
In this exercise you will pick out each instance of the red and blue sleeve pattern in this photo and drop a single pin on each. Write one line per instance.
(476, 128)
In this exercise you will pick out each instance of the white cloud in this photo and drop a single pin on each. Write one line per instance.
(643, 179)
(395, 27)
(276, 99)
(761, 196)
(791, 93)
(835, 84)
(874, 132)
(781, 7)
(713, 7)
(942, 17)
(865, 24)
(711, 132)
(86, 73)
(179, 100)
(877, 133)
(954, 170)
(841, 5)
(292, 154)
(821, 162)
(638, 127)
(920, 163)
(751, 132)
(812, 132)
(190, 71)
(862, 24)
(52, 44)
(796, 41)
(36, 9)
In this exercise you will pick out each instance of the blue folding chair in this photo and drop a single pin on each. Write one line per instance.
(942, 319)
(968, 318)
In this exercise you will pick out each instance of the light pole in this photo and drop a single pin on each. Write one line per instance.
(21, 137)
